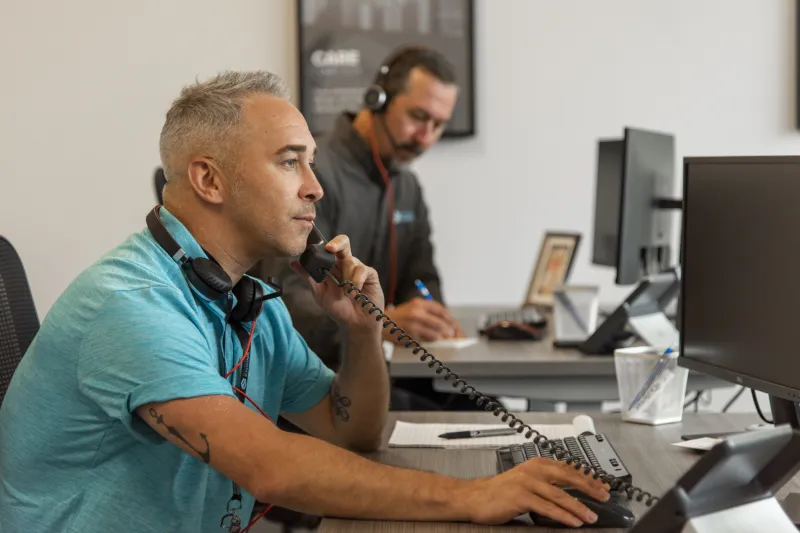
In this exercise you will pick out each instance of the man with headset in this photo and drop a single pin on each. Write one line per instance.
(145, 402)
(373, 197)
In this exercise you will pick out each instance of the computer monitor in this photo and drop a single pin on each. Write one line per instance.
(634, 186)
(740, 289)
(607, 196)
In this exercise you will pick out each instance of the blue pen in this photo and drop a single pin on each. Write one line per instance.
(423, 290)
(655, 373)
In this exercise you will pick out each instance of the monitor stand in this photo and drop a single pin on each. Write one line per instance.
(643, 312)
(785, 412)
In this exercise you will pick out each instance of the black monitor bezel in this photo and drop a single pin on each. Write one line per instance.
(735, 377)
(605, 146)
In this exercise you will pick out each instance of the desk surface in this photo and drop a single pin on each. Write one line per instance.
(502, 358)
(646, 451)
(529, 369)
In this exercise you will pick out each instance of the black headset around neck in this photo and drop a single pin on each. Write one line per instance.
(210, 279)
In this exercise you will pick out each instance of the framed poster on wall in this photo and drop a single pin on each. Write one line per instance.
(342, 43)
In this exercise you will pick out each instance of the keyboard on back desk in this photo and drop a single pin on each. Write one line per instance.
(514, 324)
(594, 449)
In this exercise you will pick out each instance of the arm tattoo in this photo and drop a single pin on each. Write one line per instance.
(340, 403)
(206, 455)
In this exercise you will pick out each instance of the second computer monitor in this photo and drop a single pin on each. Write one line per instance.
(632, 232)
(740, 292)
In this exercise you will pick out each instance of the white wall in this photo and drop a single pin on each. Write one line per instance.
(84, 89)
(85, 85)
(556, 76)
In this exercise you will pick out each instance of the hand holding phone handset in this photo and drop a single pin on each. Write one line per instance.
(335, 260)
(316, 260)
(318, 263)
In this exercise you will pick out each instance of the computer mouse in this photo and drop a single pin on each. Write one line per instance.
(609, 514)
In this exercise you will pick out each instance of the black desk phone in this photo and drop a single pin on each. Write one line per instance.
(318, 263)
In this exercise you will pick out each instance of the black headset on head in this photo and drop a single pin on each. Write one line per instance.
(210, 279)
(377, 97)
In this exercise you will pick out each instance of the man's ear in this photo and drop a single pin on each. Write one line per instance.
(206, 180)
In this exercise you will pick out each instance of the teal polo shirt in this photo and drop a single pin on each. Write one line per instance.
(74, 456)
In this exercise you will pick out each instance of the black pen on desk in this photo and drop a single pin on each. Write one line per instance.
(478, 433)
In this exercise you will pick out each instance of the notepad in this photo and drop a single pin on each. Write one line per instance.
(449, 343)
(703, 443)
(410, 435)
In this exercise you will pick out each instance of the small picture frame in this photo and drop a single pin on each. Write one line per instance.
(556, 256)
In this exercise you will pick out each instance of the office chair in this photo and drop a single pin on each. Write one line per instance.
(287, 519)
(18, 320)
(159, 180)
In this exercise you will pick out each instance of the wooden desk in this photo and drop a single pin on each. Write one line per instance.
(646, 451)
(528, 369)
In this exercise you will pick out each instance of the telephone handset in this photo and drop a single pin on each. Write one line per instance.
(318, 263)
(316, 260)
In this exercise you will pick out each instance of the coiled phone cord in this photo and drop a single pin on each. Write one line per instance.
(515, 423)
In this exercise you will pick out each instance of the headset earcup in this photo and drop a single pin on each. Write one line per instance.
(208, 278)
(375, 98)
(249, 295)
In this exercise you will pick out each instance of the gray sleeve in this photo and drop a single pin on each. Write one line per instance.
(320, 332)
(420, 263)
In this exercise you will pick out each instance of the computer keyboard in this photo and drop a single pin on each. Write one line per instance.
(594, 449)
(527, 315)
(513, 324)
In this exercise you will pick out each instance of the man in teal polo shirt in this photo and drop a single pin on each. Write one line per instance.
(125, 413)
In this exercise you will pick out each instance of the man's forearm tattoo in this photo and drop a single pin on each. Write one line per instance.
(340, 403)
(159, 418)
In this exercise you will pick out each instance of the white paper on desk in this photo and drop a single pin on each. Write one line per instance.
(409, 435)
(704, 443)
(449, 343)
(456, 344)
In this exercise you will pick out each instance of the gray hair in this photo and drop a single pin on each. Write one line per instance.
(206, 114)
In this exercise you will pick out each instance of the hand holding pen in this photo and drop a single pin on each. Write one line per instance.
(424, 318)
(423, 290)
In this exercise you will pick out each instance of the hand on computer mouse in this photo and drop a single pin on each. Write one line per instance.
(610, 514)
(530, 487)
